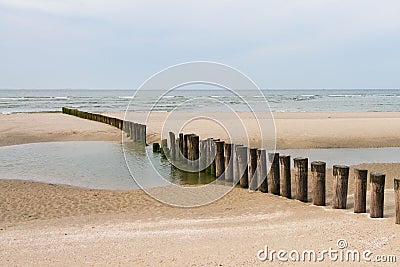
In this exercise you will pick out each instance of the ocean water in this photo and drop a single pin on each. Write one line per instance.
(304, 100)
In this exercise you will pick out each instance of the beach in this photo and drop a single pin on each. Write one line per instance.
(49, 224)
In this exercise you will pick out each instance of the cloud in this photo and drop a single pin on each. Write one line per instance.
(156, 34)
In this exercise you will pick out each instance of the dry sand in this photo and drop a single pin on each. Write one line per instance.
(44, 224)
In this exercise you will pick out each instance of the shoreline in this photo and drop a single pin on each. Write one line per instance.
(293, 130)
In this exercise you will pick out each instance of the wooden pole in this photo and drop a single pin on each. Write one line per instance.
(360, 193)
(203, 155)
(185, 145)
(228, 162)
(262, 170)
(156, 148)
(164, 147)
(301, 178)
(318, 173)
(131, 133)
(177, 150)
(397, 198)
(208, 155)
(273, 175)
(236, 173)
(212, 156)
(241, 156)
(377, 180)
(219, 159)
(181, 156)
(144, 134)
(172, 145)
(340, 186)
(195, 152)
(286, 184)
(126, 128)
(252, 176)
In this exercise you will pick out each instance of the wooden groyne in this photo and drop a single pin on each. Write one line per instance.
(136, 131)
(246, 167)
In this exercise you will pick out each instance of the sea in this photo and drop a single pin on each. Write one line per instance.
(278, 100)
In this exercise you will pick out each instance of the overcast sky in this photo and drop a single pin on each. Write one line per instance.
(279, 44)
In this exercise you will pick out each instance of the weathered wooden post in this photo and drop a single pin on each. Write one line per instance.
(185, 146)
(203, 155)
(252, 169)
(241, 156)
(164, 147)
(126, 128)
(286, 184)
(318, 173)
(172, 145)
(377, 180)
(273, 175)
(195, 151)
(262, 170)
(177, 150)
(181, 143)
(340, 186)
(156, 148)
(144, 134)
(208, 155)
(360, 190)
(236, 173)
(397, 198)
(213, 155)
(228, 162)
(219, 159)
(132, 131)
(301, 178)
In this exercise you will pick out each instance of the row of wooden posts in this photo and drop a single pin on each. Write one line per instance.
(229, 161)
(136, 131)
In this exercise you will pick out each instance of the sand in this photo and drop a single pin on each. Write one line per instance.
(22, 128)
(45, 224)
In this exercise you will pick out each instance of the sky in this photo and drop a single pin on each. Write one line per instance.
(279, 44)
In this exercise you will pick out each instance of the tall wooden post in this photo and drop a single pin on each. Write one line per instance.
(301, 178)
(236, 173)
(181, 144)
(203, 155)
(185, 146)
(172, 145)
(164, 147)
(195, 151)
(273, 175)
(340, 186)
(144, 134)
(213, 154)
(228, 162)
(252, 176)
(241, 156)
(208, 155)
(262, 170)
(219, 159)
(377, 180)
(286, 184)
(132, 131)
(190, 148)
(397, 198)
(318, 173)
(360, 193)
